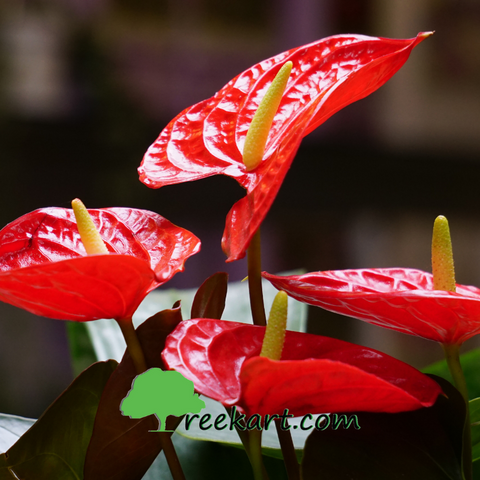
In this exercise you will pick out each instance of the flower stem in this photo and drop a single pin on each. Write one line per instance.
(452, 356)
(136, 353)
(243, 434)
(171, 456)
(255, 280)
(133, 345)
(255, 454)
(288, 451)
(247, 438)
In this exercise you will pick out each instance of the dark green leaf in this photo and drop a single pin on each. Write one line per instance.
(121, 447)
(209, 460)
(417, 445)
(475, 422)
(55, 446)
(81, 350)
(209, 301)
(470, 365)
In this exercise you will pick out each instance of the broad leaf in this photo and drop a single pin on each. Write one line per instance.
(209, 460)
(475, 425)
(56, 444)
(416, 445)
(470, 362)
(121, 447)
(209, 301)
(12, 428)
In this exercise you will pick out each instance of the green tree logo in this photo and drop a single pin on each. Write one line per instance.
(161, 393)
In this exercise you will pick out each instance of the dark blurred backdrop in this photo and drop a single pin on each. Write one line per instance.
(87, 85)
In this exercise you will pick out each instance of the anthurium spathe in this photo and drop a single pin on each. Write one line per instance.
(401, 299)
(208, 138)
(315, 374)
(45, 269)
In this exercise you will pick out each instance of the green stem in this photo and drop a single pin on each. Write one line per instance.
(136, 353)
(255, 454)
(133, 344)
(255, 280)
(243, 434)
(245, 438)
(288, 451)
(452, 355)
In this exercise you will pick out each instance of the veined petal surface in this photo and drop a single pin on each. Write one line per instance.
(315, 375)
(401, 299)
(44, 267)
(207, 138)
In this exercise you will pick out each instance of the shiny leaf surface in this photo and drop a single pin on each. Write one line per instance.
(207, 138)
(401, 299)
(316, 374)
(44, 268)
(209, 301)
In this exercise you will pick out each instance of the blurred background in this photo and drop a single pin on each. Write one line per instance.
(87, 85)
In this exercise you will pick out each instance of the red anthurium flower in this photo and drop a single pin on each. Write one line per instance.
(315, 375)
(401, 299)
(44, 267)
(208, 138)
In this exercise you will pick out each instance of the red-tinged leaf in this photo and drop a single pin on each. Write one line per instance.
(44, 268)
(207, 138)
(56, 444)
(209, 301)
(316, 374)
(122, 448)
(401, 299)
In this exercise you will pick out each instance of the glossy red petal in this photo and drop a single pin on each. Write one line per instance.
(316, 374)
(246, 216)
(323, 385)
(44, 268)
(207, 138)
(397, 298)
(51, 234)
(81, 289)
